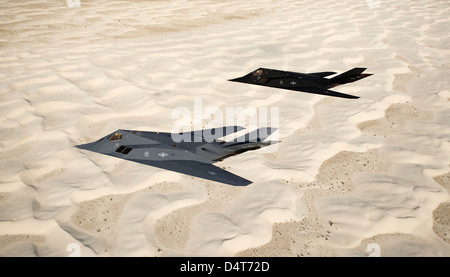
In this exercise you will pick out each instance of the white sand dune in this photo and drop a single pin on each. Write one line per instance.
(347, 173)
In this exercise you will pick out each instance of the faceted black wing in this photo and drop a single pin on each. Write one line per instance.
(326, 92)
(198, 169)
(322, 74)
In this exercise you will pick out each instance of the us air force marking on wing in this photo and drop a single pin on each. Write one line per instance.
(225, 267)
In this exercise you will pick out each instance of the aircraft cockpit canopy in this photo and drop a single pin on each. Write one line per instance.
(116, 136)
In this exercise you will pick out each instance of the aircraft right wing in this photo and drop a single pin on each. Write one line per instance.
(326, 92)
(198, 169)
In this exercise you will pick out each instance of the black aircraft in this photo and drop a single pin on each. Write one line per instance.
(191, 153)
(307, 82)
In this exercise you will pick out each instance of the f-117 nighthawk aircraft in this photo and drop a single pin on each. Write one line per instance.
(307, 82)
(191, 153)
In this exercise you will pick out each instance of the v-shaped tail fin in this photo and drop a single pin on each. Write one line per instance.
(352, 75)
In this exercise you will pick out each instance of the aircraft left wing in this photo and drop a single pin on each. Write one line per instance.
(322, 74)
(277, 74)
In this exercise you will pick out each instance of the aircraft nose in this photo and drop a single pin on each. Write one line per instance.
(236, 79)
(87, 146)
(82, 146)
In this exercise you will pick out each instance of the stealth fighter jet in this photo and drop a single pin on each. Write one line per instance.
(191, 153)
(307, 82)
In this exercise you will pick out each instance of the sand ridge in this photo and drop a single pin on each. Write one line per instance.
(338, 176)
(42, 22)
